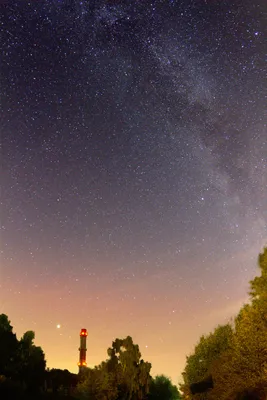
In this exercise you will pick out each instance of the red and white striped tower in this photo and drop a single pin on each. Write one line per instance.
(82, 361)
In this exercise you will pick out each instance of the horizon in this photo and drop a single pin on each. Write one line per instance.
(73, 368)
(133, 171)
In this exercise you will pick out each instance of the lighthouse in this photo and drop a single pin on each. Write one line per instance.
(82, 360)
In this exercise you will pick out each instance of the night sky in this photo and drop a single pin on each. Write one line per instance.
(134, 179)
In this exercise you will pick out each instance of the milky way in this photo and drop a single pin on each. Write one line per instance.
(133, 171)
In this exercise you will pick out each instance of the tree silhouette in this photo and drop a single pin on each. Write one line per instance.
(8, 348)
(98, 384)
(22, 363)
(133, 374)
(161, 388)
(124, 376)
(32, 362)
(58, 380)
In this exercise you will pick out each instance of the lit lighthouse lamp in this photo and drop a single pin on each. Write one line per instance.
(82, 361)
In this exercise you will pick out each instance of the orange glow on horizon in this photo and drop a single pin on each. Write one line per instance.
(169, 342)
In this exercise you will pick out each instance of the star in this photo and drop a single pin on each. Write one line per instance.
(134, 171)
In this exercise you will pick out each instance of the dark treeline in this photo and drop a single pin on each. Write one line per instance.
(228, 364)
(123, 376)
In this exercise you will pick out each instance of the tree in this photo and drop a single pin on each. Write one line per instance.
(202, 386)
(21, 361)
(59, 380)
(248, 363)
(9, 389)
(243, 368)
(133, 374)
(98, 384)
(161, 388)
(207, 351)
(123, 376)
(8, 348)
(32, 362)
(236, 359)
(258, 286)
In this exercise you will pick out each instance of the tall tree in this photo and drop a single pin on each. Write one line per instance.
(133, 374)
(124, 376)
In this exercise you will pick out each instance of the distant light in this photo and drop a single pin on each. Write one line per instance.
(58, 326)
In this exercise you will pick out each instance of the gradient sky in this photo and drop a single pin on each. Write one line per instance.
(133, 171)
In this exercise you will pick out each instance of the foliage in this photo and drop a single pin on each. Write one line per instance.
(244, 368)
(60, 381)
(234, 357)
(10, 389)
(199, 364)
(32, 362)
(133, 374)
(258, 286)
(239, 366)
(161, 388)
(123, 376)
(21, 362)
(8, 348)
(98, 384)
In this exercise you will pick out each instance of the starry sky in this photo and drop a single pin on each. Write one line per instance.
(133, 167)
